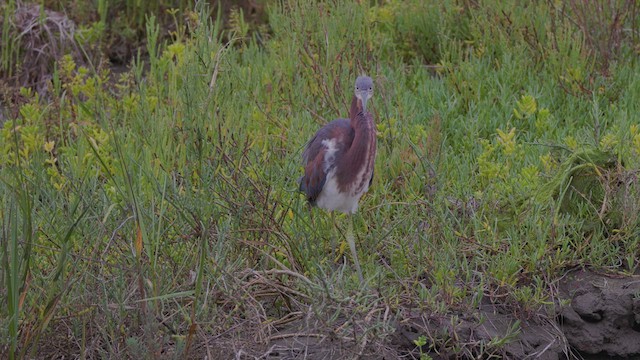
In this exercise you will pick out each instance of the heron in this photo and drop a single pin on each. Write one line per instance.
(339, 160)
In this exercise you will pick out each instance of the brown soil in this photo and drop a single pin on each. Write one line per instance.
(602, 319)
(599, 318)
(537, 338)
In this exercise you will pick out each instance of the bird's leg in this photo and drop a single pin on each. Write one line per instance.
(334, 236)
(313, 221)
(352, 245)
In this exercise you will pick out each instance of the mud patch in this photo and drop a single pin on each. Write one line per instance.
(601, 314)
(489, 332)
(598, 317)
(486, 333)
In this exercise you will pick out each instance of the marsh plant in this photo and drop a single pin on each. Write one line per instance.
(154, 212)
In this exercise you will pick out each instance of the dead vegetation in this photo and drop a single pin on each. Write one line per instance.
(40, 38)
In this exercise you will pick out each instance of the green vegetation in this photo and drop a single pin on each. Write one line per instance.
(155, 213)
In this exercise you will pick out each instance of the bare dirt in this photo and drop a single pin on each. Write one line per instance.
(597, 316)
(602, 319)
(536, 338)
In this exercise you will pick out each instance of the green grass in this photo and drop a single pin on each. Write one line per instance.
(157, 213)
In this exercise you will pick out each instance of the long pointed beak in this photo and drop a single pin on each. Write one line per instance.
(364, 100)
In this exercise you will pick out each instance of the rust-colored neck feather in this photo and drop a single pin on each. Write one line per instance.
(361, 153)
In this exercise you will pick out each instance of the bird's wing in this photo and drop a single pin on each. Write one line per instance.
(315, 166)
(314, 178)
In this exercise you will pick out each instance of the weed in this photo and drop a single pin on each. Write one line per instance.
(155, 212)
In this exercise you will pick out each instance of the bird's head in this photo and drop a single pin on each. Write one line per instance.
(364, 90)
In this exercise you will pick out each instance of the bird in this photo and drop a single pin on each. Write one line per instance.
(339, 161)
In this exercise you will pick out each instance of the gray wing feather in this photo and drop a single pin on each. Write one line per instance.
(336, 128)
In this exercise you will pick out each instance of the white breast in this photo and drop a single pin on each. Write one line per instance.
(330, 197)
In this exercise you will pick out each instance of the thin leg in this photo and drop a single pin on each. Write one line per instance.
(313, 219)
(334, 236)
(352, 245)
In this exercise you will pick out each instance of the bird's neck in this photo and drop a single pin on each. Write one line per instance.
(360, 121)
(361, 153)
(356, 107)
